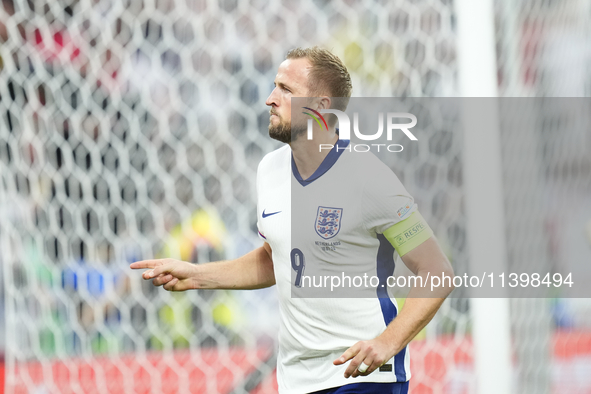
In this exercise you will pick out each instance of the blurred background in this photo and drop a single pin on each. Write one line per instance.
(132, 129)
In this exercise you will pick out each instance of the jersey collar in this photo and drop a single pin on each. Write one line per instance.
(326, 164)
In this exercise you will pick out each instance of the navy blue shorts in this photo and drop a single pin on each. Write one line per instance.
(367, 388)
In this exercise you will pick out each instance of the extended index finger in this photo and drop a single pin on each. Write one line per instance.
(145, 264)
(347, 355)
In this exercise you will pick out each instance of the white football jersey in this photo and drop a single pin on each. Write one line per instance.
(330, 224)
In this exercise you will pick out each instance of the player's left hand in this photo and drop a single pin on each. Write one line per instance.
(373, 353)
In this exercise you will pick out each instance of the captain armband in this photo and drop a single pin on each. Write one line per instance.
(409, 233)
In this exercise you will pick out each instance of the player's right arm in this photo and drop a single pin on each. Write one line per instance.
(254, 270)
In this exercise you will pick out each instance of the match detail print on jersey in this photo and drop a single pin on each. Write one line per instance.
(409, 233)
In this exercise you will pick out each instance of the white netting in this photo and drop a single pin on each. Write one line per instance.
(133, 129)
(544, 50)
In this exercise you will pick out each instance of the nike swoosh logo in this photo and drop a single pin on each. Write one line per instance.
(265, 215)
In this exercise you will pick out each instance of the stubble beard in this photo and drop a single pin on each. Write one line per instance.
(283, 131)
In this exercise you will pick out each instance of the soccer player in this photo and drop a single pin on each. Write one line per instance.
(343, 216)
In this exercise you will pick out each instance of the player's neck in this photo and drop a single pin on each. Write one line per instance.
(307, 154)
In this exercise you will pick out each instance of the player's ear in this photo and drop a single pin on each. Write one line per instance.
(324, 102)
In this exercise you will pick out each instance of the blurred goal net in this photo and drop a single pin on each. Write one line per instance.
(133, 129)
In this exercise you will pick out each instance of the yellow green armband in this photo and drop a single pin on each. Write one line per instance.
(409, 233)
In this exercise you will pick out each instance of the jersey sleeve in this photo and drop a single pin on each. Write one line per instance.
(390, 210)
(385, 201)
(260, 232)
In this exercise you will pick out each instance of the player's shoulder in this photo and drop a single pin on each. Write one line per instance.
(377, 177)
(369, 164)
(275, 160)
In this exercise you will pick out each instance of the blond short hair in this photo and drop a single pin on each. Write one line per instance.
(328, 75)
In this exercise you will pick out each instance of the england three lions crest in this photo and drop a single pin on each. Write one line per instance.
(328, 221)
